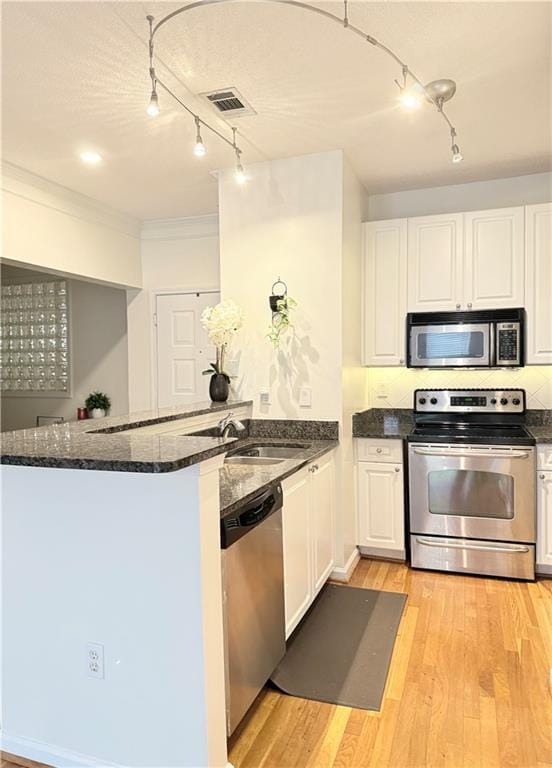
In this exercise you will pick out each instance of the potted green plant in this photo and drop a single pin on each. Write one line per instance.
(97, 404)
(221, 323)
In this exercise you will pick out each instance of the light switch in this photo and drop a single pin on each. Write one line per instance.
(305, 397)
(382, 390)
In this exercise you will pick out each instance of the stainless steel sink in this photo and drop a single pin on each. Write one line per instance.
(261, 461)
(270, 451)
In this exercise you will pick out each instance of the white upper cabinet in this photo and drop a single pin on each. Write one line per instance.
(494, 256)
(538, 283)
(435, 263)
(384, 292)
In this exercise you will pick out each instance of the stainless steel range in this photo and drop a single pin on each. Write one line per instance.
(472, 483)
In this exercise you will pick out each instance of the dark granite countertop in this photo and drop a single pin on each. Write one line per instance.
(104, 445)
(390, 423)
(542, 434)
(239, 483)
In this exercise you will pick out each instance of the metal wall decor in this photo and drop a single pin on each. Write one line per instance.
(412, 90)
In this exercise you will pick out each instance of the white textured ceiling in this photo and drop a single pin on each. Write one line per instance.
(75, 76)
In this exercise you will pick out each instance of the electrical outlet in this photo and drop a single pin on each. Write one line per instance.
(95, 660)
(264, 397)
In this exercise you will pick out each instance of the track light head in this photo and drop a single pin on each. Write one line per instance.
(153, 106)
(199, 149)
(457, 156)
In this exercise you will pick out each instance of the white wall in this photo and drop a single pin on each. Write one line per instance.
(99, 356)
(179, 255)
(353, 379)
(286, 222)
(52, 228)
(479, 195)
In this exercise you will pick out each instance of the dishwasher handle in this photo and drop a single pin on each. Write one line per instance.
(237, 524)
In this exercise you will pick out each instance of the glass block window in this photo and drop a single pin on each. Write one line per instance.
(34, 337)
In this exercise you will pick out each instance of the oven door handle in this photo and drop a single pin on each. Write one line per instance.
(478, 547)
(473, 454)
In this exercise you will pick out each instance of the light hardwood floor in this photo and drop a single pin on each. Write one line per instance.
(469, 685)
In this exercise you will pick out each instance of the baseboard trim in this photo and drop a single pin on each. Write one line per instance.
(384, 554)
(24, 751)
(543, 570)
(344, 573)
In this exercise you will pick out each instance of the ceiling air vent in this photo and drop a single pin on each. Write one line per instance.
(229, 102)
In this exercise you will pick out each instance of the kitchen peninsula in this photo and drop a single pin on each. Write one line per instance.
(121, 558)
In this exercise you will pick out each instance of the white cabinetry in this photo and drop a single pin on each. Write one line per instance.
(538, 285)
(435, 263)
(308, 531)
(384, 302)
(380, 497)
(544, 510)
(494, 252)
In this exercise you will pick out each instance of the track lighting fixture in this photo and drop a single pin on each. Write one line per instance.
(437, 92)
(199, 149)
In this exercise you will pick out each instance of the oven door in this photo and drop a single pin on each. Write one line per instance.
(453, 345)
(473, 491)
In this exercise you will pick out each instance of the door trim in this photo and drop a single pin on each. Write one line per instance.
(175, 291)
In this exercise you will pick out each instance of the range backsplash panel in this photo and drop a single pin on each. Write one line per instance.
(400, 383)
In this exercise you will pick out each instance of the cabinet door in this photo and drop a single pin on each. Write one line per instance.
(435, 263)
(538, 224)
(494, 258)
(544, 518)
(297, 548)
(322, 521)
(381, 506)
(384, 297)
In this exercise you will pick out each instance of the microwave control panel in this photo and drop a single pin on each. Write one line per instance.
(508, 344)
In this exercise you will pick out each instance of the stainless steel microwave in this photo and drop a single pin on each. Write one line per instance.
(489, 338)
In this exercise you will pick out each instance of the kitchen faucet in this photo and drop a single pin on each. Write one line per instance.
(227, 423)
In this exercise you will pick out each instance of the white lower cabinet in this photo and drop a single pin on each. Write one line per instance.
(380, 494)
(544, 510)
(308, 530)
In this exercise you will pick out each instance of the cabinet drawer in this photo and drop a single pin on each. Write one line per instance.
(544, 457)
(372, 449)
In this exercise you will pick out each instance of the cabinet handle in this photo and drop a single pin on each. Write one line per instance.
(397, 469)
(542, 477)
(458, 306)
(401, 361)
(469, 305)
(378, 450)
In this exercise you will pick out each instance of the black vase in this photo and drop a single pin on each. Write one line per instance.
(219, 388)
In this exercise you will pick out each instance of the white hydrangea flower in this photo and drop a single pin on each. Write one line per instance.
(222, 322)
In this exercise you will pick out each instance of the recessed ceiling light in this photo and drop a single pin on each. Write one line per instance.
(90, 157)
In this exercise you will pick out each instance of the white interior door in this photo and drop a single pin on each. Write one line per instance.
(183, 348)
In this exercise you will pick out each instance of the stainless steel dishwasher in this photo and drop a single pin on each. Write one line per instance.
(253, 593)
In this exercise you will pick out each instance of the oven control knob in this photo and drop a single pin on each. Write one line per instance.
(516, 401)
(493, 400)
(433, 401)
(503, 401)
(422, 401)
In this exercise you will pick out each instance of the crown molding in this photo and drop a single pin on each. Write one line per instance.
(190, 227)
(22, 183)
